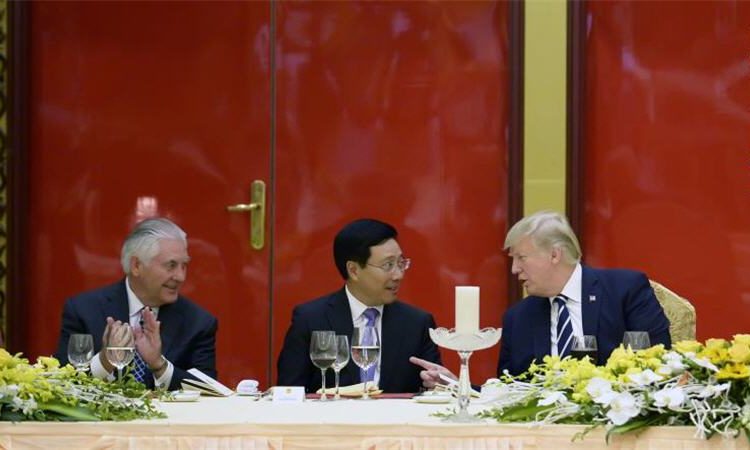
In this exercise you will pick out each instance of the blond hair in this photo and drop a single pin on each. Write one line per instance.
(548, 230)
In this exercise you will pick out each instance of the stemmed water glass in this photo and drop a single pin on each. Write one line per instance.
(582, 346)
(365, 350)
(80, 351)
(120, 348)
(323, 354)
(636, 340)
(342, 359)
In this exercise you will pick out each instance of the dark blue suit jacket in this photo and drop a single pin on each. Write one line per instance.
(404, 334)
(614, 301)
(188, 332)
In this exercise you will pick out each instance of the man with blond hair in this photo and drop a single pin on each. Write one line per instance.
(566, 299)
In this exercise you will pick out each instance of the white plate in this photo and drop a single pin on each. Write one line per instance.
(434, 399)
(185, 396)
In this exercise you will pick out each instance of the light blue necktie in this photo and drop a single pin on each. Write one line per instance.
(564, 327)
(371, 314)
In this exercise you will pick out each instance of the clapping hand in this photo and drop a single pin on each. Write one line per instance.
(148, 339)
(116, 334)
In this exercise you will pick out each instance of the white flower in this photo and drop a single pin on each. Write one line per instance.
(705, 363)
(622, 408)
(671, 398)
(26, 406)
(9, 390)
(673, 364)
(551, 397)
(600, 390)
(644, 378)
(712, 390)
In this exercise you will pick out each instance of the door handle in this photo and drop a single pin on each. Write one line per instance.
(257, 210)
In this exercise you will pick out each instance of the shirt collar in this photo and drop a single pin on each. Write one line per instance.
(357, 307)
(573, 289)
(135, 305)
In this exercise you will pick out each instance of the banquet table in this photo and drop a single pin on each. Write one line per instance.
(243, 423)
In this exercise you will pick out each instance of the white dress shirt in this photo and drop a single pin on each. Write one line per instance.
(573, 289)
(358, 319)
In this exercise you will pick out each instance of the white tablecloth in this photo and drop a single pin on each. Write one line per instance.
(240, 423)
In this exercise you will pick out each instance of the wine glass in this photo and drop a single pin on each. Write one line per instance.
(365, 350)
(120, 348)
(323, 354)
(342, 358)
(80, 351)
(636, 340)
(584, 346)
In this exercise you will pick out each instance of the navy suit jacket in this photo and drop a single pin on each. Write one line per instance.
(614, 301)
(404, 333)
(188, 332)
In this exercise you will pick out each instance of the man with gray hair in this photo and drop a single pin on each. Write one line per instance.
(155, 259)
(565, 299)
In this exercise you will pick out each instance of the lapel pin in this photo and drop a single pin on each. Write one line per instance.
(592, 298)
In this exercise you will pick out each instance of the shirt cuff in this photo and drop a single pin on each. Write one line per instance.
(166, 378)
(98, 370)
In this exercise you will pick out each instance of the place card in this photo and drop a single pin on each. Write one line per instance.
(287, 394)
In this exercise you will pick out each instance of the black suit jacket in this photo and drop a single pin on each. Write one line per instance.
(404, 334)
(614, 301)
(188, 332)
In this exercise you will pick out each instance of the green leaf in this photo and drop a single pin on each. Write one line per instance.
(629, 426)
(74, 412)
(526, 412)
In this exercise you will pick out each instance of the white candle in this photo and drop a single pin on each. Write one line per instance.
(467, 309)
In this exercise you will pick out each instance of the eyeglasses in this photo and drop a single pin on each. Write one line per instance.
(389, 266)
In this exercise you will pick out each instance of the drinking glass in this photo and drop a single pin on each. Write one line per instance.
(323, 354)
(80, 351)
(342, 359)
(584, 346)
(365, 350)
(120, 348)
(636, 340)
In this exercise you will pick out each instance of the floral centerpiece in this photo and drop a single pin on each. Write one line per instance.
(704, 385)
(46, 391)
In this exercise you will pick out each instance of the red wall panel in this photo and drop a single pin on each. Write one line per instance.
(394, 110)
(666, 178)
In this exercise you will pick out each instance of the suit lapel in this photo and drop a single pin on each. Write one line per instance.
(591, 299)
(116, 303)
(541, 328)
(339, 316)
(390, 332)
(171, 322)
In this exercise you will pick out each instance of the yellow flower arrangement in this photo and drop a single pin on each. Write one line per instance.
(706, 385)
(46, 391)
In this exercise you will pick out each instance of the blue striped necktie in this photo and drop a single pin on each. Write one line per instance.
(140, 370)
(564, 327)
(371, 314)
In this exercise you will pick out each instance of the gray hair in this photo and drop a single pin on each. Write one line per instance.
(143, 241)
(548, 229)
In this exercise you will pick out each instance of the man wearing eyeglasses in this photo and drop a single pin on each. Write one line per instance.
(370, 260)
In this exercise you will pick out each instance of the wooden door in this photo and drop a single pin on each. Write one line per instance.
(344, 109)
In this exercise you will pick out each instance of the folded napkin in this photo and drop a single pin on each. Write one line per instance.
(355, 390)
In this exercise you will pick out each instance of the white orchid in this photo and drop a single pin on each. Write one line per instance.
(622, 408)
(552, 397)
(644, 378)
(712, 390)
(671, 398)
(600, 390)
(672, 364)
(705, 363)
